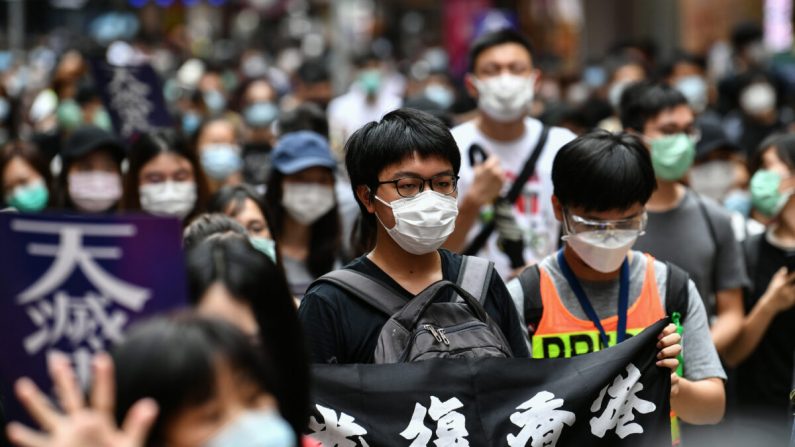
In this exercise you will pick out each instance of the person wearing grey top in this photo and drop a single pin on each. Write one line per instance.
(691, 231)
(602, 214)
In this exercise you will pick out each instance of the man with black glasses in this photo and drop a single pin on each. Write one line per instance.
(403, 171)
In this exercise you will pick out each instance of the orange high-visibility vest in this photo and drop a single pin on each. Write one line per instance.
(561, 334)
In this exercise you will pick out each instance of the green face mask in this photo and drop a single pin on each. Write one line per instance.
(765, 195)
(264, 245)
(672, 156)
(69, 115)
(29, 198)
(102, 120)
(370, 81)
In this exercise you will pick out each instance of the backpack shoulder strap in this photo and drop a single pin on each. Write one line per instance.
(530, 280)
(677, 291)
(474, 276)
(367, 289)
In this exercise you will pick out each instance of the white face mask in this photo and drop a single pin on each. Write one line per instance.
(422, 222)
(506, 97)
(94, 191)
(695, 89)
(713, 179)
(758, 99)
(255, 428)
(602, 252)
(168, 198)
(307, 202)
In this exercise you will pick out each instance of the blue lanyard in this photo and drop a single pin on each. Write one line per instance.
(623, 299)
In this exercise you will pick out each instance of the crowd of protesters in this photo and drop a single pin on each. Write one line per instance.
(278, 182)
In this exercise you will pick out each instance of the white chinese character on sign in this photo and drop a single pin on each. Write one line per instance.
(128, 96)
(623, 402)
(335, 431)
(87, 321)
(450, 424)
(542, 421)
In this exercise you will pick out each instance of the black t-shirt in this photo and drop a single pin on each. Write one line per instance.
(343, 329)
(765, 378)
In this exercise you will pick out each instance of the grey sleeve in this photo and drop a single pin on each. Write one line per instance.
(517, 296)
(701, 360)
(730, 270)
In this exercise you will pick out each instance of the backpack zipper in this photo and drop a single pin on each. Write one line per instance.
(437, 334)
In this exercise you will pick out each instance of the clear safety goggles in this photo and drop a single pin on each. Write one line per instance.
(574, 224)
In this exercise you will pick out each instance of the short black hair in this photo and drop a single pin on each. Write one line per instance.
(306, 116)
(496, 38)
(313, 71)
(602, 171)
(644, 100)
(377, 145)
(782, 143)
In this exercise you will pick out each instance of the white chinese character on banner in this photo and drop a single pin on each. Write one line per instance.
(623, 401)
(335, 431)
(129, 98)
(450, 424)
(542, 421)
(85, 321)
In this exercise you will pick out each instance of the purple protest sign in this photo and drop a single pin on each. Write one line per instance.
(133, 96)
(74, 284)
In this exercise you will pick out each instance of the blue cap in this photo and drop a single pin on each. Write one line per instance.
(300, 150)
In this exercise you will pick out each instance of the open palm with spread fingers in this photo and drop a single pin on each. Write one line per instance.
(80, 425)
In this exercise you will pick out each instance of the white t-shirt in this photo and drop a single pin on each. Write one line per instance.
(533, 208)
(349, 112)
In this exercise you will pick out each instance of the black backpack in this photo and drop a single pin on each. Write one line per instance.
(426, 328)
(677, 295)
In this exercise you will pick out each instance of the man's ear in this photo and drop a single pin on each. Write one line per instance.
(469, 84)
(557, 208)
(364, 196)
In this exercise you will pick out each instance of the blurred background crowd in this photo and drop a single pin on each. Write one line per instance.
(259, 97)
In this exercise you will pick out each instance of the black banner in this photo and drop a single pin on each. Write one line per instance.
(614, 397)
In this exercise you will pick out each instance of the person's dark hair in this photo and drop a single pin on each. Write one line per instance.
(313, 71)
(644, 100)
(173, 360)
(621, 59)
(784, 145)
(601, 171)
(29, 153)
(207, 225)
(377, 145)
(306, 116)
(325, 242)
(147, 146)
(251, 276)
(745, 33)
(496, 38)
(684, 57)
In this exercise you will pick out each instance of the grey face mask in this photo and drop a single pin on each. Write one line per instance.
(255, 428)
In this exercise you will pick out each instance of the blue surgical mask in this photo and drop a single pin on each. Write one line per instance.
(261, 114)
(215, 101)
(221, 160)
(739, 201)
(190, 123)
(265, 245)
(440, 95)
(255, 428)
